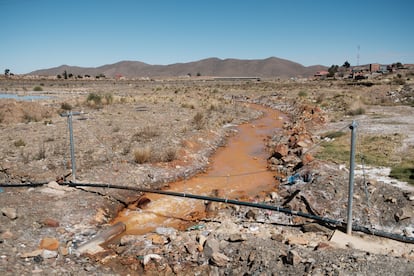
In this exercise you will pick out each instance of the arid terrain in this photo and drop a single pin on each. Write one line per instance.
(152, 134)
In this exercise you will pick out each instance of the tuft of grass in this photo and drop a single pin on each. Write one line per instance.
(19, 143)
(355, 112)
(169, 155)
(66, 106)
(198, 120)
(41, 154)
(142, 155)
(27, 117)
(37, 88)
(302, 94)
(145, 134)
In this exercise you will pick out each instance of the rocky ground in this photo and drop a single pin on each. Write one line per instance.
(41, 227)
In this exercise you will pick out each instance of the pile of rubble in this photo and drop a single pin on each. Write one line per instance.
(290, 148)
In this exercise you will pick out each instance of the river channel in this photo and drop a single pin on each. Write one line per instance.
(236, 171)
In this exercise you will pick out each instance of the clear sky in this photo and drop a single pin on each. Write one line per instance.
(39, 34)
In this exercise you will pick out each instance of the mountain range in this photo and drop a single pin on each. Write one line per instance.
(215, 67)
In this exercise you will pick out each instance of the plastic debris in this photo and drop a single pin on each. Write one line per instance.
(150, 257)
(196, 227)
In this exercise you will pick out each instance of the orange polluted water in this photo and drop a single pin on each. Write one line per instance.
(236, 171)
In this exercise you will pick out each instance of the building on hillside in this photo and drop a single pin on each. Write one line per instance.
(321, 74)
(374, 67)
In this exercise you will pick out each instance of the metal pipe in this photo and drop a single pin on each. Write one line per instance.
(351, 177)
(329, 221)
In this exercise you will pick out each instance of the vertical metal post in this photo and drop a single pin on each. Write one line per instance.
(72, 147)
(72, 143)
(351, 177)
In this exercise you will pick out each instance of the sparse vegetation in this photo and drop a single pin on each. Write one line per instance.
(169, 155)
(375, 150)
(19, 143)
(66, 106)
(198, 120)
(142, 155)
(41, 154)
(146, 133)
(355, 112)
(302, 94)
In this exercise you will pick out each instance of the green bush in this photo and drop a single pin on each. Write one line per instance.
(37, 88)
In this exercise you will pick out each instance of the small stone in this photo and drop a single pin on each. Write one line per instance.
(251, 214)
(158, 239)
(64, 251)
(9, 212)
(48, 254)
(403, 213)
(201, 239)
(237, 237)
(277, 237)
(35, 253)
(307, 158)
(211, 246)
(323, 246)
(314, 227)
(49, 244)
(7, 235)
(219, 259)
(48, 222)
(298, 241)
(293, 258)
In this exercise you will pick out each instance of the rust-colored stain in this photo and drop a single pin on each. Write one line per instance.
(236, 171)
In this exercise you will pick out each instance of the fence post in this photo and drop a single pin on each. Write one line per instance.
(69, 115)
(351, 177)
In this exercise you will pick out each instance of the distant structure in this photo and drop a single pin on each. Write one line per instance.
(358, 55)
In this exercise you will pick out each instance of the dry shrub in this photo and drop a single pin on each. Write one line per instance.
(169, 155)
(198, 120)
(142, 155)
(146, 133)
(66, 106)
(19, 143)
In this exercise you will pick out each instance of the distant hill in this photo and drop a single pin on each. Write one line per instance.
(268, 68)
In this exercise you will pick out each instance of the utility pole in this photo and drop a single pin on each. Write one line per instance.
(351, 177)
(69, 115)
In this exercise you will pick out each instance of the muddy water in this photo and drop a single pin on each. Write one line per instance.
(236, 171)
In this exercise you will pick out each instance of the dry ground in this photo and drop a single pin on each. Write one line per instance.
(148, 133)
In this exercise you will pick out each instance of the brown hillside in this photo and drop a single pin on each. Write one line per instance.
(270, 67)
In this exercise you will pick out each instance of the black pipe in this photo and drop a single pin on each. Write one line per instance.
(28, 184)
(337, 223)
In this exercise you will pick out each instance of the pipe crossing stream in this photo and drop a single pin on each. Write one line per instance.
(236, 171)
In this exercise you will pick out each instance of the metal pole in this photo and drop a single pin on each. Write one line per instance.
(72, 147)
(351, 177)
(72, 143)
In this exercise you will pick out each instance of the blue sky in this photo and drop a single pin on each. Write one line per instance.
(38, 34)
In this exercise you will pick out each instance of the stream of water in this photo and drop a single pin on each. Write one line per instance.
(236, 171)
